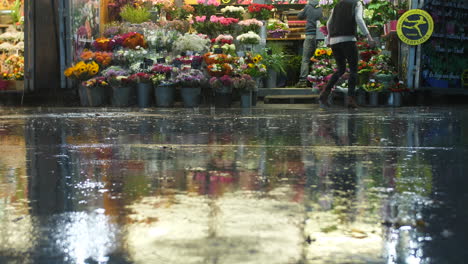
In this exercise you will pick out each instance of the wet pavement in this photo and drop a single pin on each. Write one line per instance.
(229, 186)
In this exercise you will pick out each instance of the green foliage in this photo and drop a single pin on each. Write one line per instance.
(15, 12)
(277, 59)
(135, 15)
(380, 12)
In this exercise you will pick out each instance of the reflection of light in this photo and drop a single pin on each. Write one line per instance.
(240, 227)
(84, 235)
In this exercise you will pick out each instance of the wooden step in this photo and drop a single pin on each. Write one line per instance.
(291, 99)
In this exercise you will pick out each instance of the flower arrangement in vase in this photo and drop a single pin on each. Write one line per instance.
(260, 11)
(98, 81)
(233, 11)
(116, 76)
(223, 24)
(103, 44)
(140, 77)
(222, 84)
(103, 58)
(398, 87)
(244, 83)
(372, 86)
(135, 14)
(252, 65)
(162, 39)
(82, 70)
(190, 78)
(252, 24)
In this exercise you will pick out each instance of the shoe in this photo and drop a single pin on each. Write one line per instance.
(301, 84)
(323, 99)
(352, 102)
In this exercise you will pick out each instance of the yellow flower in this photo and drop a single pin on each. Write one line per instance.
(81, 67)
(68, 72)
(373, 84)
(255, 60)
(250, 65)
(317, 53)
(329, 52)
(93, 68)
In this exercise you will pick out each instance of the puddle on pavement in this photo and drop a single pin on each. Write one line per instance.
(269, 186)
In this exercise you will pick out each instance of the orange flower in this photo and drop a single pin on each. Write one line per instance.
(87, 55)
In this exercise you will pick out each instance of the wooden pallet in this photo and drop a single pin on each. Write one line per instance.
(291, 99)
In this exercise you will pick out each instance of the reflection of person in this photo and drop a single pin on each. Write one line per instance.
(312, 13)
(342, 31)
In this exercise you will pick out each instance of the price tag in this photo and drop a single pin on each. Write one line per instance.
(161, 60)
(218, 51)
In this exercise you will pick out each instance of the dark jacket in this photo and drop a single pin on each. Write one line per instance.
(343, 21)
(311, 13)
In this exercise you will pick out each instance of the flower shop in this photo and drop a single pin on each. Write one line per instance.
(158, 53)
(12, 46)
(153, 53)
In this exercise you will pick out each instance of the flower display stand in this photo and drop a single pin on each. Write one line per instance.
(190, 96)
(246, 100)
(164, 95)
(120, 96)
(144, 94)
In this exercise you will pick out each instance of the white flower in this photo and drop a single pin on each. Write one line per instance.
(233, 9)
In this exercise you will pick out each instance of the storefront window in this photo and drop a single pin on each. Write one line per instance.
(85, 24)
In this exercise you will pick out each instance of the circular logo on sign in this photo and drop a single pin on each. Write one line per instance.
(415, 27)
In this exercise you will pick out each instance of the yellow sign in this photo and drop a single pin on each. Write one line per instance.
(415, 27)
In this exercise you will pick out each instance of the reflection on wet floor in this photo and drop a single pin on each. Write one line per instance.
(205, 186)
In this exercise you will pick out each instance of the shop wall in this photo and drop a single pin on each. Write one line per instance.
(45, 64)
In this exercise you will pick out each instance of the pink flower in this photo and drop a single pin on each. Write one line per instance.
(214, 19)
(200, 18)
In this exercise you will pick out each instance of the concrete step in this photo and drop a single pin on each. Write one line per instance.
(291, 99)
(284, 91)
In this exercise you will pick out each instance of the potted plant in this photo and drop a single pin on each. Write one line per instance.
(222, 87)
(189, 81)
(275, 61)
(373, 88)
(396, 90)
(82, 71)
(117, 78)
(260, 11)
(245, 85)
(277, 29)
(96, 89)
(144, 87)
(206, 7)
(135, 15)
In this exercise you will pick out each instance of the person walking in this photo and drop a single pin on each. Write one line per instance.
(342, 31)
(311, 13)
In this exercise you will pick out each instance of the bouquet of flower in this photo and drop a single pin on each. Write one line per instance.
(103, 44)
(185, 11)
(201, 25)
(252, 66)
(253, 25)
(365, 67)
(101, 57)
(162, 68)
(277, 29)
(99, 81)
(132, 40)
(244, 83)
(221, 84)
(219, 69)
(398, 87)
(82, 70)
(140, 77)
(223, 39)
(131, 56)
(260, 11)
(211, 58)
(366, 51)
(159, 79)
(206, 7)
(115, 76)
(233, 11)
(382, 64)
(189, 78)
(249, 38)
(323, 53)
(372, 86)
(192, 42)
(161, 39)
(223, 24)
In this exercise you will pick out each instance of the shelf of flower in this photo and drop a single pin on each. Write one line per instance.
(206, 54)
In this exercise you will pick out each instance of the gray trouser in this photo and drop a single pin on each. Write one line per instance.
(307, 52)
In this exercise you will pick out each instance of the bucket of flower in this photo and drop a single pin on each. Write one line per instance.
(396, 91)
(373, 88)
(189, 81)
